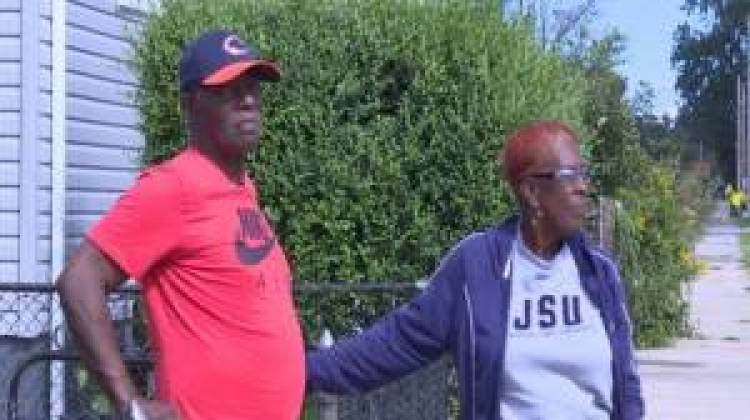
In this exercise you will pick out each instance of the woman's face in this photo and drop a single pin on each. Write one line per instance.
(558, 188)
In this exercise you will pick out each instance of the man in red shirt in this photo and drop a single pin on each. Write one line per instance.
(217, 285)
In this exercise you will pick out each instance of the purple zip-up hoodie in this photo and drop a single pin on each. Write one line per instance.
(464, 311)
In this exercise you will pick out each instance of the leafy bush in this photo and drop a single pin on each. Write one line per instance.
(650, 229)
(658, 218)
(660, 208)
(379, 142)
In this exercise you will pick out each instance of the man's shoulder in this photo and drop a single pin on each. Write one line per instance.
(161, 180)
(178, 163)
(170, 172)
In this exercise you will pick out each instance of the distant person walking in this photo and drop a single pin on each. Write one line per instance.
(737, 201)
(728, 191)
(227, 341)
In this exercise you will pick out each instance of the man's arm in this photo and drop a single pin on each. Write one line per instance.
(83, 287)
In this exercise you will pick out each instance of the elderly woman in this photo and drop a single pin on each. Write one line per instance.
(534, 317)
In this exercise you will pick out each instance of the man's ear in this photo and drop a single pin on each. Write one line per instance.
(187, 104)
(186, 101)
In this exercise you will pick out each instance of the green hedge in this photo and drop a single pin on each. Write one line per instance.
(379, 143)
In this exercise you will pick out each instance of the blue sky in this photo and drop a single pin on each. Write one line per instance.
(648, 26)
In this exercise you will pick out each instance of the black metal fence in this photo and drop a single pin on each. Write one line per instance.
(42, 377)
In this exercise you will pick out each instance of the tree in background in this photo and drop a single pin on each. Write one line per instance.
(657, 135)
(380, 141)
(556, 22)
(634, 155)
(708, 61)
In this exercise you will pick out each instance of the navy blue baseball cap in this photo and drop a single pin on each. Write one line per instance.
(219, 56)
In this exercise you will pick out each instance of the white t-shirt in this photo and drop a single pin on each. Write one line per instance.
(558, 360)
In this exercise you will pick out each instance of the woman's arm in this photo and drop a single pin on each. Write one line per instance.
(403, 341)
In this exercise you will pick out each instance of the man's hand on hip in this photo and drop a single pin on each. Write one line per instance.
(140, 409)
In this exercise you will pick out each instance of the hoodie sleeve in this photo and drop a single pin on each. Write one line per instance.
(401, 342)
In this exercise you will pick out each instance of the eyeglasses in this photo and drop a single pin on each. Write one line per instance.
(566, 175)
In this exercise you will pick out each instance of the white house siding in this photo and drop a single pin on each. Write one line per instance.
(25, 178)
(10, 158)
(10, 130)
(103, 141)
(44, 134)
(102, 137)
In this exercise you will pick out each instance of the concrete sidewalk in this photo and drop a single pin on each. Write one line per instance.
(707, 377)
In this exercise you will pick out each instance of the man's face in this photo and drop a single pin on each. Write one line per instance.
(230, 115)
(559, 186)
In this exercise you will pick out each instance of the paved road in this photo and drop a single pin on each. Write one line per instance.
(707, 377)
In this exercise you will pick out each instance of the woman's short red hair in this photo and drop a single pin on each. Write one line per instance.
(523, 145)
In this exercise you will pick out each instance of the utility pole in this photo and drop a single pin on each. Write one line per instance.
(743, 115)
(738, 152)
(543, 21)
(746, 112)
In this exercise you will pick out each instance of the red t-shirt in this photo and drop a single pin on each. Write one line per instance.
(217, 285)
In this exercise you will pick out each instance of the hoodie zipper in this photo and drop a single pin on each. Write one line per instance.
(505, 275)
(610, 326)
(473, 344)
(506, 278)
